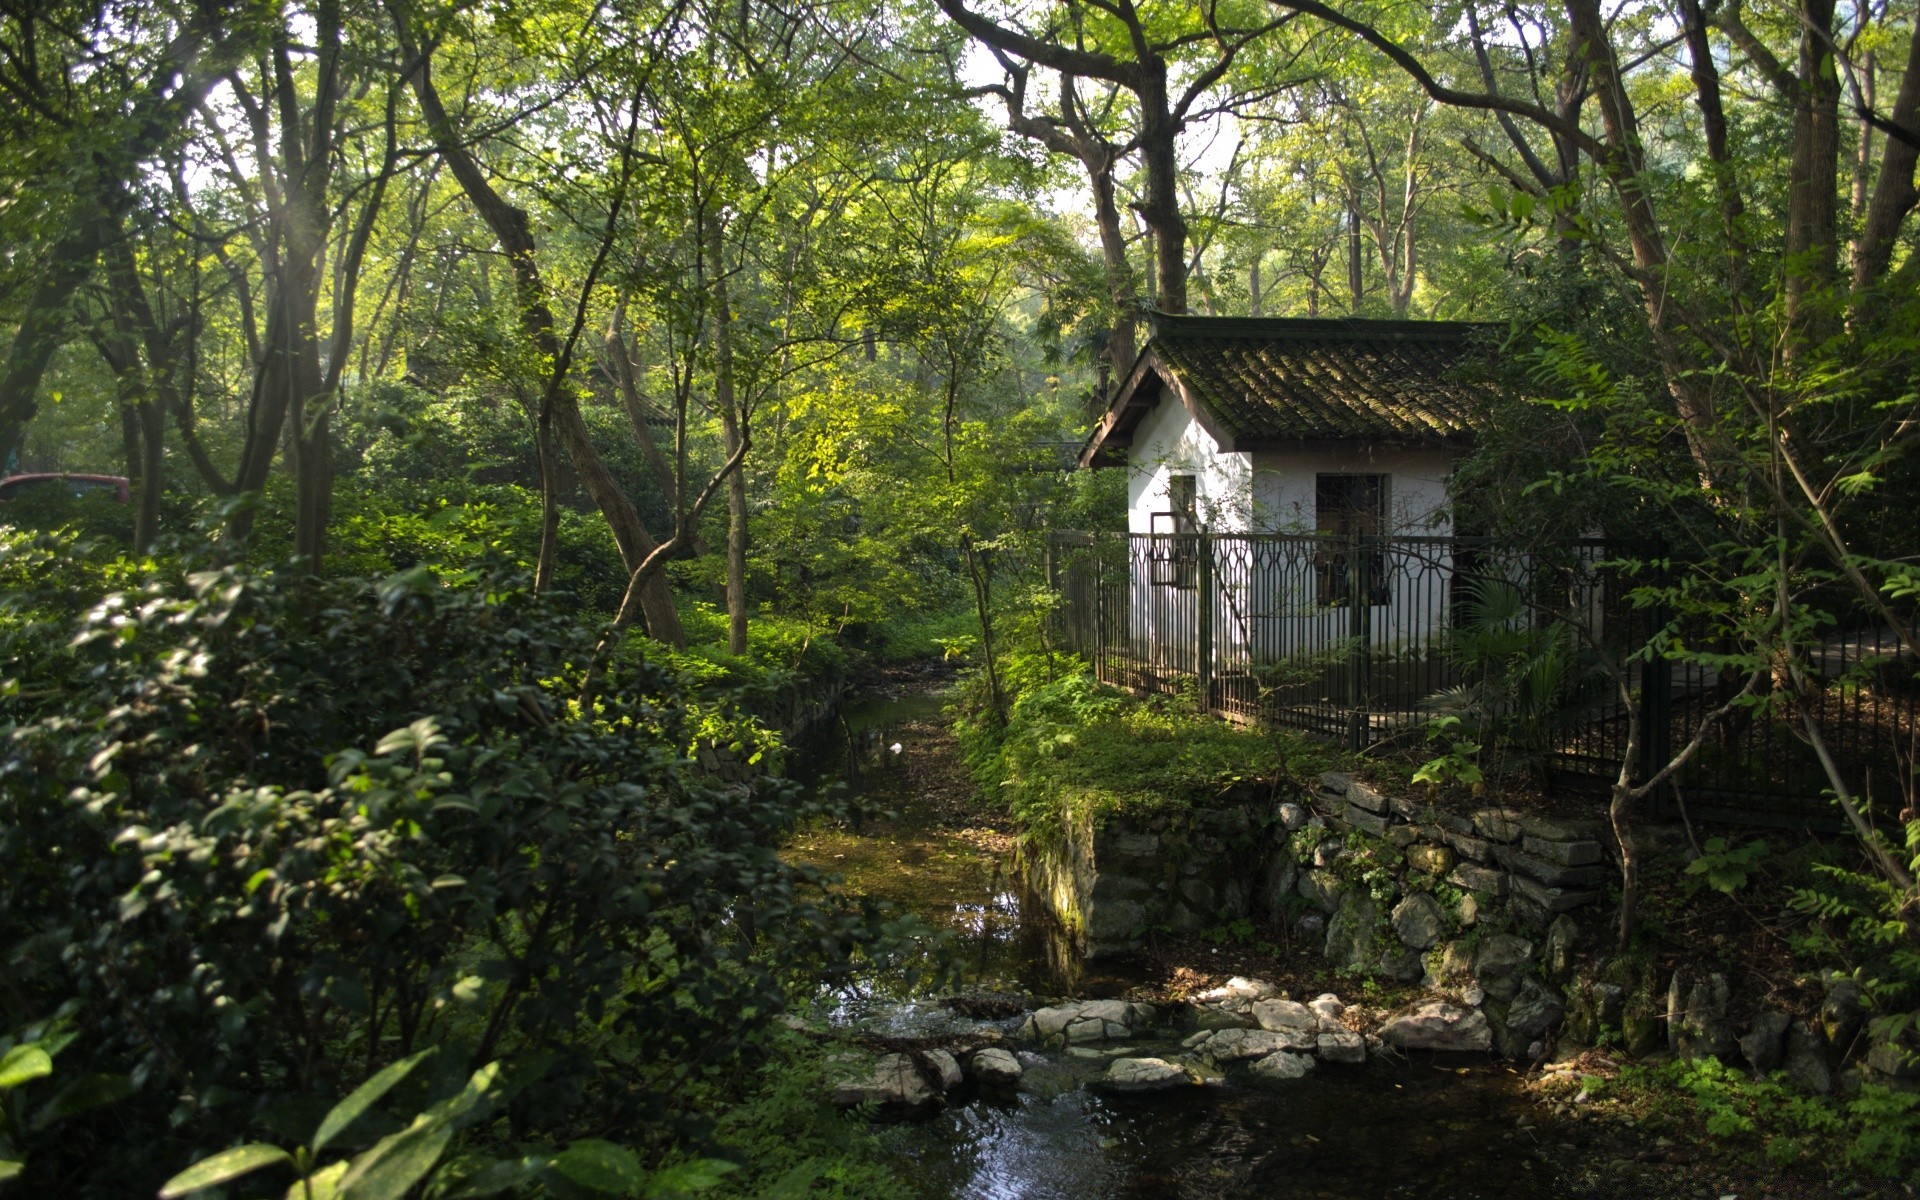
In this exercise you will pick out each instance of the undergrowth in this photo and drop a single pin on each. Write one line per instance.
(1877, 1132)
(1076, 749)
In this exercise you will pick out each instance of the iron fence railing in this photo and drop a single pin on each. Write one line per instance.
(1367, 639)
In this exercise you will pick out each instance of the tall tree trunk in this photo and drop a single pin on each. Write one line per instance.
(146, 512)
(1894, 194)
(1159, 154)
(730, 420)
(1812, 179)
(1113, 253)
(511, 228)
(548, 458)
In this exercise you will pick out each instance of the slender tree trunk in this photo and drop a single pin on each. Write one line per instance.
(1113, 253)
(146, 513)
(1894, 194)
(549, 462)
(512, 229)
(730, 421)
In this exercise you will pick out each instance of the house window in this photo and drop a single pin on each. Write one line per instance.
(1175, 550)
(1349, 507)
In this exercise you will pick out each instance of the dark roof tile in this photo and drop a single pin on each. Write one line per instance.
(1278, 380)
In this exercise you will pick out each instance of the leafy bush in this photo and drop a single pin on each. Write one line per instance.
(1077, 748)
(262, 834)
(1877, 1131)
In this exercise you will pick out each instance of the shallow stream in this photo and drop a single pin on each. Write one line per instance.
(1425, 1128)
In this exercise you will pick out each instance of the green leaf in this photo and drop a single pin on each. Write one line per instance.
(362, 1098)
(683, 1178)
(228, 1164)
(323, 1184)
(83, 1095)
(397, 1162)
(23, 1063)
(601, 1167)
(496, 1177)
(9, 1168)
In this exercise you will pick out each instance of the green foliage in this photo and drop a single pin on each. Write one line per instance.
(1877, 1132)
(1458, 764)
(1075, 750)
(1724, 867)
(266, 832)
(1523, 680)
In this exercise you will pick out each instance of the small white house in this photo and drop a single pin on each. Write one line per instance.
(1327, 430)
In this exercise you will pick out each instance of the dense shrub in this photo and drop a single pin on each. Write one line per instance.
(1076, 748)
(261, 834)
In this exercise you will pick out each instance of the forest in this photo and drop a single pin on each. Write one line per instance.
(465, 461)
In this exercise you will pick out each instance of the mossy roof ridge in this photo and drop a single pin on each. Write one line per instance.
(1300, 379)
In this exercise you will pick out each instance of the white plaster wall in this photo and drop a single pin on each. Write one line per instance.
(1266, 607)
(1284, 487)
(1168, 442)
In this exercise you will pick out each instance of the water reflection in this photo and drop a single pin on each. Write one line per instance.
(1423, 1130)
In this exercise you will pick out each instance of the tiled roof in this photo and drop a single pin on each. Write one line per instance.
(1259, 382)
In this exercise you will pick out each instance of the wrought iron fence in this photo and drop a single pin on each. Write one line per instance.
(1367, 639)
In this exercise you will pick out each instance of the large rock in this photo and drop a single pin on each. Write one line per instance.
(1806, 1060)
(1285, 1015)
(1342, 1047)
(1498, 963)
(1842, 1011)
(1116, 921)
(1352, 931)
(1088, 1021)
(1144, 1075)
(1291, 816)
(1498, 824)
(1580, 852)
(1224, 1046)
(1640, 1023)
(946, 1070)
(1557, 954)
(1364, 797)
(1469, 878)
(894, 1082)
(1400, 965)
(1535, 1011)
(1231, 1006)
(1321, 888)
(1430, 860)
(1610, 1005)
(994, 1067)
(1765, 1042)
(1239, 993)
(1419, 921)
(1437, 1025)
(1280, 1068)
(1328, 1007)
(1697, 1017)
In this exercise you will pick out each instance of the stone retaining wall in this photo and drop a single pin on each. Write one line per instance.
(1479, 908)
(1109, 882)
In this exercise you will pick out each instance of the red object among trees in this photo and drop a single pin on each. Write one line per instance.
(12, 486)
